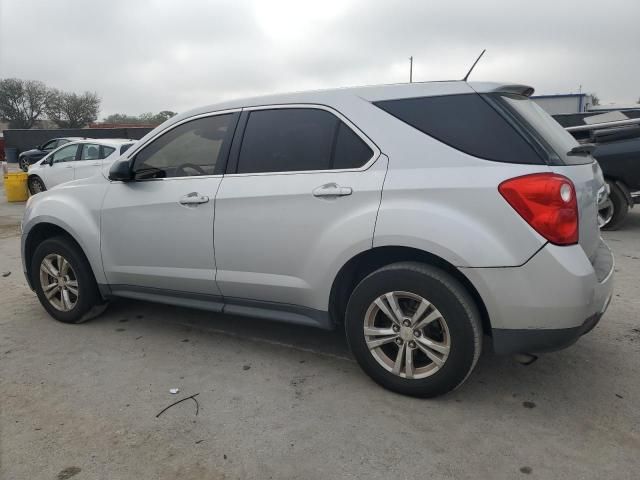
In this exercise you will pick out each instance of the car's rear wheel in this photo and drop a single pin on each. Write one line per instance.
(613, 211)
(414, 329)
(36, 185)
(64, 281)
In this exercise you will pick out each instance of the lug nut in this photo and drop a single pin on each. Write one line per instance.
(412, 344)
(416, 333)
(399, 341)
(406, 323)
(396, 328)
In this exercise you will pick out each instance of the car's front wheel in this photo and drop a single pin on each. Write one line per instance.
(414, 329)
(64, 282)
(36, 185)
(23, 162)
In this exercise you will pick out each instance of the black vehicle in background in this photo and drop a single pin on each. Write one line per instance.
(617, 150)
(31, 156)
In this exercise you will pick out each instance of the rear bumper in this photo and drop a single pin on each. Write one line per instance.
(547, 303)
(506, 341)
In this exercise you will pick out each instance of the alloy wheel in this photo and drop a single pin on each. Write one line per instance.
(407, 335)
(59, 282)
(605, 212)
(37, 186)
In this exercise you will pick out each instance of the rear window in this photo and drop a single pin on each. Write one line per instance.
(467, 123)
(547, 132)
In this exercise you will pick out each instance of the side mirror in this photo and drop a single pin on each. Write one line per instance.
(121, 171)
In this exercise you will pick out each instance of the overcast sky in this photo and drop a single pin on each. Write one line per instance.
(152, 55)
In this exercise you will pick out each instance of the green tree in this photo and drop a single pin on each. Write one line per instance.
(23, 102)
(147, 118)
(70, 110)
(595, 100)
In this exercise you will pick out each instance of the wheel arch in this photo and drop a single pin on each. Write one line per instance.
(623, 188)
(34, 176)
(41, 232)
(364, 263)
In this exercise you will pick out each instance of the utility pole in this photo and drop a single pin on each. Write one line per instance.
(411, 69)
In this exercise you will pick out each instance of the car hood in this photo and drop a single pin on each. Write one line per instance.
(33, 151)
(37, 165)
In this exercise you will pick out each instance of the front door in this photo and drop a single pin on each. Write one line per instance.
(303, 197)
(61, 168)
(157, 231)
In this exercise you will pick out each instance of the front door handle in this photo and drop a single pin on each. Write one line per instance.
(332, 190)
(193, 198)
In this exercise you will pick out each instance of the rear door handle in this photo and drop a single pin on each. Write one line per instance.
(332, 190)
(193, 198)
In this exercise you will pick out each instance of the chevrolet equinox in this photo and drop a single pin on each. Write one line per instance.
(418, 217)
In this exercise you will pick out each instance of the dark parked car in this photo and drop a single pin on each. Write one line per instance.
(32, 156)
(617, 149)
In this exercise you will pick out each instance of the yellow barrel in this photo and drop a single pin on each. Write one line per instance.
(15, 186)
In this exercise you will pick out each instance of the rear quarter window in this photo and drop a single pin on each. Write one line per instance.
(467, 123)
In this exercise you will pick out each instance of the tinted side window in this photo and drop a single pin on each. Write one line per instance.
(350, 150)
(467, 123)
(287, 139)
(190, 149)
(65, 154)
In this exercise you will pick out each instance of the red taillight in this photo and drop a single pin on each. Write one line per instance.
(547, 202)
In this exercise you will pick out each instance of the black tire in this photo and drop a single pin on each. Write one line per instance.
(620, 207)
(23, 163)
(446, 294)
(36, 185)
(88, 301)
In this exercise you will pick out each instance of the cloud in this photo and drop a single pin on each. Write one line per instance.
(166, 54)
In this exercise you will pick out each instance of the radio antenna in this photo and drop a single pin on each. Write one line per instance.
(473, 66)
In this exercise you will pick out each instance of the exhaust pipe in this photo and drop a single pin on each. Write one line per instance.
(525, 358)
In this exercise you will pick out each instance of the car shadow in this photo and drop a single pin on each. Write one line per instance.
(558, 376)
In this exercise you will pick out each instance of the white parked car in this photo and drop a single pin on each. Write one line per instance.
(80, 159)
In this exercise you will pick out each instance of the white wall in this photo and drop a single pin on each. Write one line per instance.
(564, 104)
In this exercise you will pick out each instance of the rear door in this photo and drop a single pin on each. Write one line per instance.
(303, 188)
(89, 160)
(61, 168)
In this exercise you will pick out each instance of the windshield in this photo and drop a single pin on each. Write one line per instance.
(125, 147)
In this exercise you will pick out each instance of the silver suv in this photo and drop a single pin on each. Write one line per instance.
(418, 217)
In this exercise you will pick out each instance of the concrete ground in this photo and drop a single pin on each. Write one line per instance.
(277, 401)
